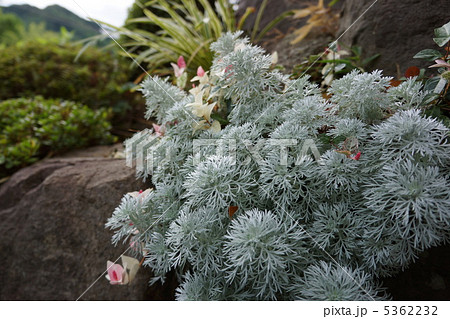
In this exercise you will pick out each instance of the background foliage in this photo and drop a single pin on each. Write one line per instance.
(31, 128)
(157, 32)
(10, 27)
(97, 78)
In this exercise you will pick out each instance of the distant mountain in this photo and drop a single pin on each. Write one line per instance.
(54, 18)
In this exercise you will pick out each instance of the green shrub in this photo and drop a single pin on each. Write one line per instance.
(96, 79)
(185, 28)
(10, 27)
(31, 128)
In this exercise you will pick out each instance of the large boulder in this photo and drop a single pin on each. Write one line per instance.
(395, 29)
(273, 9)
(279, 38)
(53, 241)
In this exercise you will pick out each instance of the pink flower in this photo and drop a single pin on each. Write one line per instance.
(179, 67)
(200, 72)
(133, 244)
(141, 195)
(440, 63)
(116, 274)
(181, 63)
(229, 71)
(159, 129)
(357, 156)
(202, 77)
(122, 275)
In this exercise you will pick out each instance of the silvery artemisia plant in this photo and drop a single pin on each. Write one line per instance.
(359, 191)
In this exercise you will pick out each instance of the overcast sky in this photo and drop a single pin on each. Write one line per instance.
(111, 11)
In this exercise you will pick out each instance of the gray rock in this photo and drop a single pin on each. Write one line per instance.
(395, 29)
(273, 9)
(279, 39)
(53, 240)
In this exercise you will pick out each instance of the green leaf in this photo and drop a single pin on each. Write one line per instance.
(273, 23)
(430, 84)
(335, 61)
(430, 97)
(442, 35)
(436, 112)
(332, 3)
(440, 86)
(258, 19)
(221, 120)
(428, 54)
(370, 59)
(357, 50)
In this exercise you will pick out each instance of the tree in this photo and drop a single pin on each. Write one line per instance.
(11, 26)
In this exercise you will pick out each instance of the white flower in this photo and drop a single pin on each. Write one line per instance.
(274, 57)
(200, 109)
(239, 46)
(141, 195)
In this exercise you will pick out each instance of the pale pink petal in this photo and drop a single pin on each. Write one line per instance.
(200, 72)
(115, 273)
(440, 64)
(178, 71)
(146, 192)
(161, 130)
(446, 65)
(157, 129)
(141, 194)
(109, 265)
